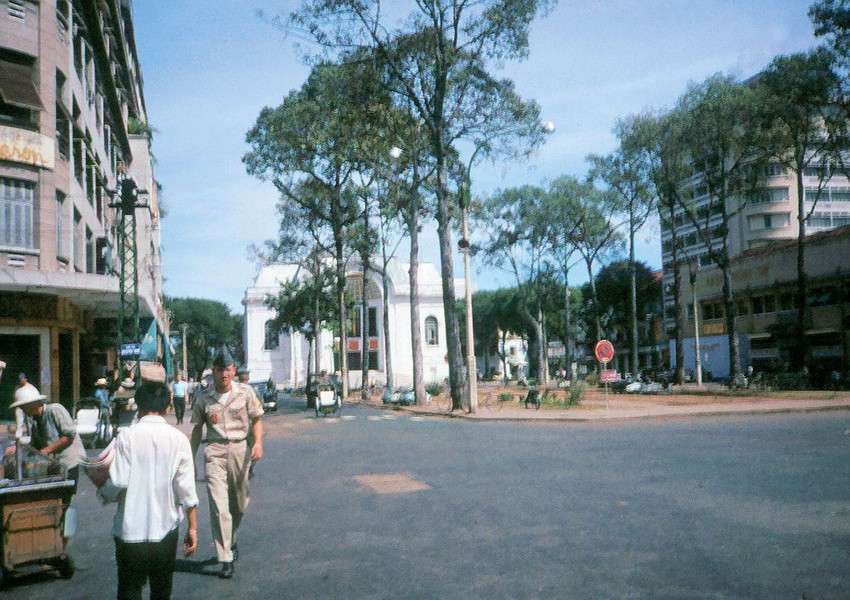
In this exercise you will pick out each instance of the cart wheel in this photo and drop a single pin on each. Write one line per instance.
(66, 566)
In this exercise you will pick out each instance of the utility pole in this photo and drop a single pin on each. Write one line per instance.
(698, 359)
(128, 277)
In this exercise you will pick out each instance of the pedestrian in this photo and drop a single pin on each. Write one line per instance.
(52, 431)
(243, 375)
(180, 389)
(229, 411)
(105, 403)
(152, 477)
(22, 425)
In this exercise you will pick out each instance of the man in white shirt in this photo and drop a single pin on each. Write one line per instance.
(152, 477)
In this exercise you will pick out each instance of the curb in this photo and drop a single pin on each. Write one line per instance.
(767, 410)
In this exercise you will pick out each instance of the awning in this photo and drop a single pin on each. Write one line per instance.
(17, 87)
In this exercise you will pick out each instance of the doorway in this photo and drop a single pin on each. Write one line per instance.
(21, 354)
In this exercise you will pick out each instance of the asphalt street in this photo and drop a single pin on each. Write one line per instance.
(394, 505)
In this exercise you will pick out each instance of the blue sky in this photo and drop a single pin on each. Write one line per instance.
(209, 67)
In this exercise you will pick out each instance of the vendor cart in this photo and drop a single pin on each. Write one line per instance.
(34, 495)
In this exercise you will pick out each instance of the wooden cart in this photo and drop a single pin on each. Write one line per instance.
(32, 523)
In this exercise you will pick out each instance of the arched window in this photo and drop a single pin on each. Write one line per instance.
(272, 338)
(432, 331)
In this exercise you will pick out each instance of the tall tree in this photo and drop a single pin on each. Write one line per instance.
(513, 222)
(435, 60)
(659, 138)
(626, 174)
(412, 169)
(312, 147)
(594, 236)
(725, 137)
(801, 90)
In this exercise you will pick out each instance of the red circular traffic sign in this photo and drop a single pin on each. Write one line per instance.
(604, 351)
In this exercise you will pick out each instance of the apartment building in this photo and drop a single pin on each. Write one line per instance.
(72, 127)
(768, 216)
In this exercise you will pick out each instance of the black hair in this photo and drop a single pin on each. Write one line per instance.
(152, 397)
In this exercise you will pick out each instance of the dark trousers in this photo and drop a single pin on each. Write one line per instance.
(139, 562)
(179, 407)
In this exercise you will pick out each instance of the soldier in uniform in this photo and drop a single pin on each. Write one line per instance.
(230, 411)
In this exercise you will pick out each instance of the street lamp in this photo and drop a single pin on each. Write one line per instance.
(698, 361)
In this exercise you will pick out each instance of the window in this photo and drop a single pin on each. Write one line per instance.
(432, 332)
(770, 221)
(78, 249)
(18, 10)
(272, 339)
(742, 308)
(774, 170)
(61, 249)
(354, 323)
(826, 220)
(373, 322)
(763, 304)
(769, 195)
(89, 251)
(17, 205)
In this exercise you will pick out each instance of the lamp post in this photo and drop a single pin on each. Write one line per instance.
(183, 328)
(698, 361)
(463, 244)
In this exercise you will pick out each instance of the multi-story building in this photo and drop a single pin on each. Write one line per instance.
(764, 286)
(72, 125)
(768, 215)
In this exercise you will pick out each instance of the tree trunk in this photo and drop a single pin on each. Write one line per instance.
(388, 363)
(415, 323)
(343, 333)
(677, 305)
(731, 325)
(633, 322)
(444, 234)
(568, 340)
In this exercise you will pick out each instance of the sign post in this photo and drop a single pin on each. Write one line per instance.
(604, 353)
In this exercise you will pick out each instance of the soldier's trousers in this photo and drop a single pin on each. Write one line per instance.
(227, 488)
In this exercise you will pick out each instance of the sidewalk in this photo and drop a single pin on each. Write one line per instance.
(619, 406)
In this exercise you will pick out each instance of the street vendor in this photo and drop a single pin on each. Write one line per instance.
(52, 430)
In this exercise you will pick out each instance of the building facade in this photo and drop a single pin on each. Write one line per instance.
(768, 215)
(72, 127)
(764, 286)
(285, 357)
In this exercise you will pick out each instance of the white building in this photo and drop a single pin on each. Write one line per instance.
(284, 357)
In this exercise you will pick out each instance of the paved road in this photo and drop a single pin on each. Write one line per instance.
(390, 505)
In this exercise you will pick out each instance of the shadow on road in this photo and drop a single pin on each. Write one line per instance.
(182, 565)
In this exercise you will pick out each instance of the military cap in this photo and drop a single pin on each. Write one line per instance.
(223, 358)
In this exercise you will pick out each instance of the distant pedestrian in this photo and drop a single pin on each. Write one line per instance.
(180, 389)
(104, 401)
(229, 411)
(22, 425)
(152, 477)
